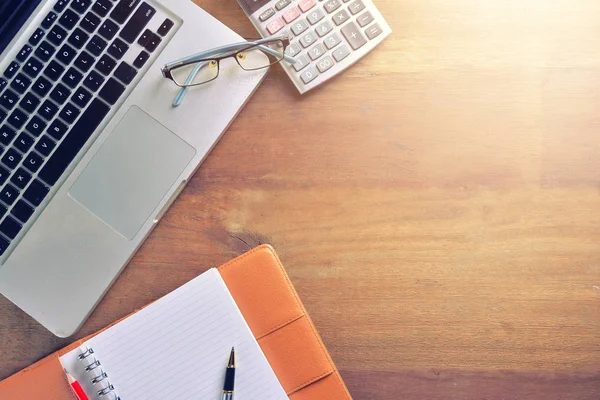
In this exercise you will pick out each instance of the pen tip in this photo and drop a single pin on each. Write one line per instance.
(231, 362)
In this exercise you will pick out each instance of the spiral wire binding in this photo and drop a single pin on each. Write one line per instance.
(94, 366)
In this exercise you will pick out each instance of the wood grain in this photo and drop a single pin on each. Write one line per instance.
(436, 206)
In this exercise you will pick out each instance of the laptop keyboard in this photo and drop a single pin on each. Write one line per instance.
(59, 88)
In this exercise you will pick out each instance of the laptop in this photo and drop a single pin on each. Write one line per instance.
(92, 153)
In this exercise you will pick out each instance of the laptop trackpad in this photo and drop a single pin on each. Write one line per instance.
(131, 172)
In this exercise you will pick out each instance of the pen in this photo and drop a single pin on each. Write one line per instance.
(77, 389)
(229, 377)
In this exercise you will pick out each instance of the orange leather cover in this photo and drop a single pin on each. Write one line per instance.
(276, 316)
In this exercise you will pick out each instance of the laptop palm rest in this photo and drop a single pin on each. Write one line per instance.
(131, 172)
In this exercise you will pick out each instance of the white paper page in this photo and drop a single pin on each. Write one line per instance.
(177, 348)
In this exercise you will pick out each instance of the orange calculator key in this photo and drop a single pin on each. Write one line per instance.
(275, 26)
(291, 14)
(306, 5)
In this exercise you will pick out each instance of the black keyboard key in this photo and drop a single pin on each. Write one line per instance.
(10, 227)
(48, 110)
(3, 211)
(80, 5)
(44, 51)
(36, 192)
(29, 102)
(106, 64)
(81, 97)
(112, 91)
(54, 70)
(78, 38)
(41, 86)
(21, 178)
(45, 145)
(9, 99)
(17, 119)
(69, 19)
(3, 245)
(23, 142)
(108, 30)
(96, 45)
(141, 59)
(102, 7)
(149, 40)
(22, 211)
(7, 134)
(3, 115)
(9, 194)
(33, 67)
(57, 35)
(11, 70)
(69, 113)
(165, 27)
(3, 83)
(123, 10)
(137, 22)
(33, 162)
(77, 137)
(90, 22)
(20, 83)
(125, 72)
(24, 52)
(85, 61)
(93, 81)
(57, 129)
(118, 48)
(66, 54)
(72, 77)
(4, 174)
(49, 20)
(36, 36)
(36, 126)
(60, 94)
(12, 158)
(60, 5)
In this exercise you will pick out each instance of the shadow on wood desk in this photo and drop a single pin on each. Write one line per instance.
(436, 206)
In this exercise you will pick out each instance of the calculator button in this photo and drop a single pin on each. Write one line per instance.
(301, 62)
(315, 16)
(332, 40)
(356, 7)
(267, 14)
(364, 19)
(275, 26)
(308, 39)
(309, 75)
(292, 50)
(373, 31)
(324, 28)
(353, 36)
(281, 4)
(316, 51)
(332, 5)
(291, 15)
(325, 64)
(306, 5)
(299, 27)
(340, 17)
(341, 53)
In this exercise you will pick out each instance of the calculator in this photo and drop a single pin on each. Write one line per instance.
(327, 36)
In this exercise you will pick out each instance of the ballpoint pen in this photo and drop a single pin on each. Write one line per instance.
(229, 377)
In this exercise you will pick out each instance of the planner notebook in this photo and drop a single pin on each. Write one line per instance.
(176, 348)
(270, 306)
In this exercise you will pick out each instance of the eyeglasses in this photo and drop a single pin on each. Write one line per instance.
(204, 67)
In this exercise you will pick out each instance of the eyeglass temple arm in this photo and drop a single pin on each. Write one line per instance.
(179, 98)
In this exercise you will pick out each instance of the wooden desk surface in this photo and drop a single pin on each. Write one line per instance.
(437, 206)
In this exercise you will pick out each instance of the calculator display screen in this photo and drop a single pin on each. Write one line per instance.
(252, 5)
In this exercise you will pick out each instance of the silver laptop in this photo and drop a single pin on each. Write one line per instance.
(92, 153)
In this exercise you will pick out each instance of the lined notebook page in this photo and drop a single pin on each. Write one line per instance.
(177, 348)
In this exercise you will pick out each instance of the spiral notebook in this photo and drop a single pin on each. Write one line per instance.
(176, 348)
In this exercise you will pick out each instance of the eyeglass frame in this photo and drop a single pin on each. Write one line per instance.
(220, 53)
